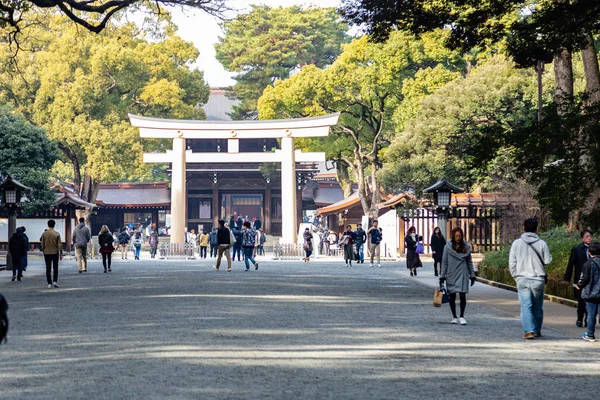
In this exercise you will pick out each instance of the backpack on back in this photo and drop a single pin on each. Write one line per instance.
(3, 319)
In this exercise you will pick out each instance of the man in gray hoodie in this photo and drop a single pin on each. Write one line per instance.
(528, 258)
(81, 238)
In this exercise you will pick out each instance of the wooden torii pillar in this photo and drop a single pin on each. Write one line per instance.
(285, 130)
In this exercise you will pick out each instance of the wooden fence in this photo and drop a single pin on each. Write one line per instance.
(482, 226)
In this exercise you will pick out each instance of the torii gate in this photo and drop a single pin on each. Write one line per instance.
(233, 131)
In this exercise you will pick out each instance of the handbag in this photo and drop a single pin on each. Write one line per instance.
(231, 238)
(420, 249)
(440, 296)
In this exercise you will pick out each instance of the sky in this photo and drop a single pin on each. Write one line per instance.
(204, 30)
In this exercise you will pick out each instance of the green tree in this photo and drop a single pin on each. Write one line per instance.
(365, 85)
(27, 155)
(269, 44)
(80, 87)
(464, 131)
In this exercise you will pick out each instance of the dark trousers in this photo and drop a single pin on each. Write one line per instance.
(237, 249)
(437, 266)
(106, 260)
(203, 251)
(213, 250)
(51, 262)
(581, 305)
(17, 266)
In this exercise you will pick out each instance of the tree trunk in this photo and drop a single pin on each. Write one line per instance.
(589, 56)
(89, 193)
(563, 73)
(343, 177)
(375, 194)
(592, 72)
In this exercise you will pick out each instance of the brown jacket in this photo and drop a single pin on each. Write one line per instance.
(50, 242)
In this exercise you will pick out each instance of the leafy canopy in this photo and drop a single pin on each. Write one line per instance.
(27, 155)
(269, 44)
(80, 87)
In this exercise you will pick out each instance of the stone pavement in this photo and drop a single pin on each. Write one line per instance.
(178, 329)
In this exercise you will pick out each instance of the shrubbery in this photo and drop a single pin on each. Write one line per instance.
(495, 264)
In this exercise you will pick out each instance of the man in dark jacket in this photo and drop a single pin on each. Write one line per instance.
(361, 238)
(257, 224)
(224, 239)
(17, 246)
(589, 285)
(24, 260)
(214, 242)
(579, 256)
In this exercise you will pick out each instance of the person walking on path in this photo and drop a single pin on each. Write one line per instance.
(214, 242)
(17, 247)
(457, 271)
(348, 240)
(361, 238)
(105, 242)
(375, 236)
(589, 285)
(192, 239)
(237, 247)
(137, 244)
(153, 242)
(257, 224)
(123, 242)
(413, 261)
(24, 260)
(527, 261)
(224, 242)
(248, 244)
(438, 242)
(579, 256)
(51, 246)
(81, 238)
(262, 238)
(203, 242)
(308, 244)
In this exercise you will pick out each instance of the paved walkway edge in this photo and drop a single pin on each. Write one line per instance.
(549, 297)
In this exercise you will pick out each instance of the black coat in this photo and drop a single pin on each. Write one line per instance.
(223, 236)
(105, 242)
(590, 281)
(17, 245)
(579, 256)
(437, 244)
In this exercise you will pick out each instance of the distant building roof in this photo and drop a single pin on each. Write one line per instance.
(219, 105)
(134, 194)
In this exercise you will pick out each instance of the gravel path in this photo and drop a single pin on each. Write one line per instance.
(162, 330)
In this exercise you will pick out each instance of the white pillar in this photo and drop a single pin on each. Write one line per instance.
(288, 191)
(178, 191)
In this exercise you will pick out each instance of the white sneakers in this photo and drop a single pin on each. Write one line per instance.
(379, 265)
(55, 284)
(462, 321)
(49, 286)
(371, 265)
(454, 321)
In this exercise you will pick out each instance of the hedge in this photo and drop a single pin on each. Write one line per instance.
(495, 264)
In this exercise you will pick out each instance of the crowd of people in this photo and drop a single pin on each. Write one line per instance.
(453, 263)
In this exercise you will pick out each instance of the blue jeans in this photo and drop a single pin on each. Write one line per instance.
(531, 297)
(236, 250)
(137, 251)
(248, 256)
(361, 252)
(592, 310)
